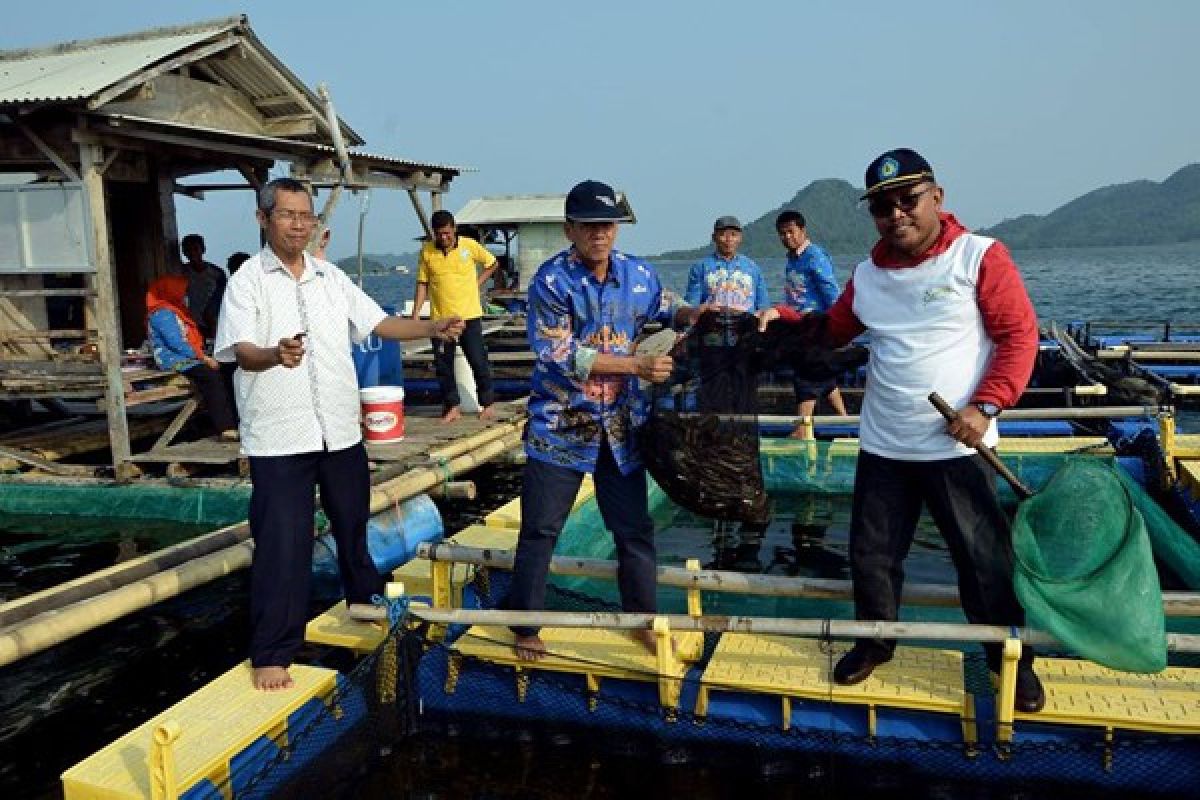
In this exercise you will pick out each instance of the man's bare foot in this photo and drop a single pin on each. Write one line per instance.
(530, 648)
(487, 412)
(272, 679)
(451, 415)
(798, 433)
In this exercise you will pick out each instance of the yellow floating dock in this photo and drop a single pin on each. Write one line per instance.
(1086, 694)
(593, 653)
(917, 678)
(195, 739)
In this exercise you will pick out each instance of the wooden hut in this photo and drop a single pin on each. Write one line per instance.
(534, 221)
(94, 139)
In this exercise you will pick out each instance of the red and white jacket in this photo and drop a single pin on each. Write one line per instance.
(957, 320)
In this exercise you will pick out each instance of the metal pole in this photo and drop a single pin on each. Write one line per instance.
(1175, 604)
(836, 628)
(363, 207)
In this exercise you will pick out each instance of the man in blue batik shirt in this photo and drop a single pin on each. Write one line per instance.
(808, 285)
(725, 278)
(587, 305)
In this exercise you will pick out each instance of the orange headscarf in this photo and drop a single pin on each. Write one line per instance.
(170, 292)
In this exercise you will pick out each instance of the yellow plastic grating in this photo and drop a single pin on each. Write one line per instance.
(1083, 693)
(337, 629)
(590, 651)
(509, 514)
(1189, 476)
(217, 722)
(917, 678)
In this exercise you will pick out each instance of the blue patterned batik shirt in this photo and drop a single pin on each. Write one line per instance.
(808, 281)
(735, 283)
(572, 319)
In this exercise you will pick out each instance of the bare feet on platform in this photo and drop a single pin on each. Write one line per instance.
(487, 413)
(451, 415)
(272, 679)
(529, 648)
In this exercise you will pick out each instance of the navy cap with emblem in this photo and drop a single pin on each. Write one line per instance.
(899, 167)
(593, 201)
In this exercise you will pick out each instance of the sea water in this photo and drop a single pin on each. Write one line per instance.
(61, 705)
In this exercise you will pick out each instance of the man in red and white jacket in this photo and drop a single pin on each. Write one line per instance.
(946, 311)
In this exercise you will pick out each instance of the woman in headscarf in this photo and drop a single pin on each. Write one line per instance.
(179, 347)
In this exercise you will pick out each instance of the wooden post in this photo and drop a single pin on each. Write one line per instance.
(172, 260)
(435, 200)
(420, 211)
(104, 282)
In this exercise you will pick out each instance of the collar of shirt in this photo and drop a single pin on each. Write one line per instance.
(617, 263)
(312, 266)
(715, 259)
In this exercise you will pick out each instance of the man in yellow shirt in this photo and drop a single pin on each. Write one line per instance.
(447, 276)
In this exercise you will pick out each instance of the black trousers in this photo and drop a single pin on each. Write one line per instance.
(477, 356)
(960, 494)
(214, 391)
(281, 521)
(547, 493)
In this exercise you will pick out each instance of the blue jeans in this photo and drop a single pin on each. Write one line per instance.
(547, 494)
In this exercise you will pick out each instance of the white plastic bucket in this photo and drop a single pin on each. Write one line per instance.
(382, 413)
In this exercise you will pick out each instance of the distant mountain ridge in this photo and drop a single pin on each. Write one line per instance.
(1136, 213)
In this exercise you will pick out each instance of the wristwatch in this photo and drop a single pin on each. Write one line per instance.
(989, 410)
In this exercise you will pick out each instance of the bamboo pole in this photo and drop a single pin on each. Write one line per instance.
(46, 618)
(455, 490)
(54, 627)
(469, 443)
(126, 572)
(782, 626)
(395, 491)
(1013, 414)
(1175, 604)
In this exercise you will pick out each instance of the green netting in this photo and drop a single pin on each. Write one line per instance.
(1171, 543)
(202, 506)
(1084, 569)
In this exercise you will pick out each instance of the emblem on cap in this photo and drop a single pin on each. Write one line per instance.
(608, 201)
(888, 168)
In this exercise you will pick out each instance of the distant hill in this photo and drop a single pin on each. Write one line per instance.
(376, 263)
(1141, 212)
(834, 221)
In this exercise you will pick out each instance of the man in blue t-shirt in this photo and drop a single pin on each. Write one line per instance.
(725, 278)
(808, 285)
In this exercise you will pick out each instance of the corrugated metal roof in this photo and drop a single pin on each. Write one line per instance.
(519, 208)
(279, 144)
(77, 70)
(81, 70)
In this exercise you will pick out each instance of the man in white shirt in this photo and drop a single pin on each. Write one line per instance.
(288, 320)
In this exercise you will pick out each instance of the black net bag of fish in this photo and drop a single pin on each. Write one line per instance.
(700, 442)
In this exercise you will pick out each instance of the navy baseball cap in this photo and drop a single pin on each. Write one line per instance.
(725, 222)
(593, 201)
(894, 168)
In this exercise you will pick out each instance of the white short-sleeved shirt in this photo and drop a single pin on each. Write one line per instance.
(313, 406)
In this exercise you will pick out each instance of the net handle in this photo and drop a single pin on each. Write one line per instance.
(989, 455)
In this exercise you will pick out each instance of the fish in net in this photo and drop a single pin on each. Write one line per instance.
(700, 441)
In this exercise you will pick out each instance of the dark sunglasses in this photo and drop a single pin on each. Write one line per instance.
(882, 207)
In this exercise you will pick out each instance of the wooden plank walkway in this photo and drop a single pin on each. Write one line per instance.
(424, 433)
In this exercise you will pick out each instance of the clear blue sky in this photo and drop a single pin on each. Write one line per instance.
(702, 108)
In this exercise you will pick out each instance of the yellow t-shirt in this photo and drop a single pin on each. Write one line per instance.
(452, 279)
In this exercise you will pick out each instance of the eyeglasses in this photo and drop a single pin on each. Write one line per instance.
(882, 207)
(303, 217)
